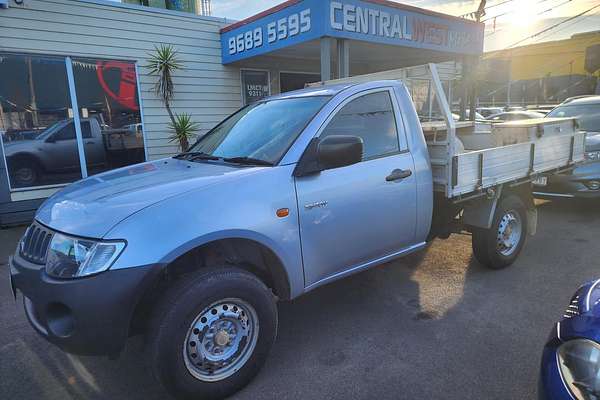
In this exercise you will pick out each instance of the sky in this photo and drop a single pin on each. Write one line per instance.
(515, 20)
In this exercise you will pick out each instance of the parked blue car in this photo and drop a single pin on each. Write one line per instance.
(571, 359)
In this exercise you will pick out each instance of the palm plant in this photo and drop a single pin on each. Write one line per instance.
(163, 63)
(183, 130)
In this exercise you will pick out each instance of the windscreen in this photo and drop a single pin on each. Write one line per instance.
(263, 130)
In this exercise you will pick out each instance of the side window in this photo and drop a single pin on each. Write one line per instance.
(66, 133)
(370, 117)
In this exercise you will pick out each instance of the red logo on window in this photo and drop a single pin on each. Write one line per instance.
(127, 85)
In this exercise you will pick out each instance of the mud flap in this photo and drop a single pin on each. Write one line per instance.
(479, 213)
(532, 219)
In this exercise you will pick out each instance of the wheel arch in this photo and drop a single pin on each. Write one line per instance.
(246, 253)
(479, 213)
(23, 156)
(236, 250)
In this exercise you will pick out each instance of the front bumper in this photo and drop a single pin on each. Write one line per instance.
(551, 385)
(565, 189)
(86, 316)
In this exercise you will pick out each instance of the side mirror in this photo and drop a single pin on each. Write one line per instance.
(332, 152)
(339, 151)
(50, 139)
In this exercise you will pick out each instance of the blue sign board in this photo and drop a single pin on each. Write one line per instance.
(376, 21)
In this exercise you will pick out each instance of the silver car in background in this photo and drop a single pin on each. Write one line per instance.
(584, 180)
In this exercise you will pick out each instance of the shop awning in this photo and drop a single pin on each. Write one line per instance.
(377, 30)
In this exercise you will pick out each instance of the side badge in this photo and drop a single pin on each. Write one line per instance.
(318, 204)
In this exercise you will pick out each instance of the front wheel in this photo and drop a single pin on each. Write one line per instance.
(499, 246)
(24, 173)
(212, 333)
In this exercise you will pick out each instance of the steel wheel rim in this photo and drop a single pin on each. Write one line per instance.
(510, 230)
(221, 339)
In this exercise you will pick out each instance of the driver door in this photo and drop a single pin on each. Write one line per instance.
(62, 153)
(352, 216)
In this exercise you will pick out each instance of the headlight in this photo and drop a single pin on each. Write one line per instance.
(73, 258)
(592, 155)
(592, 185)
(579, 363)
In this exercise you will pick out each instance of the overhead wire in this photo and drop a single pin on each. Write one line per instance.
(540, 13)
(553, 26)
(488, 7)
(568, 26)
(511, 12)
(564, 21)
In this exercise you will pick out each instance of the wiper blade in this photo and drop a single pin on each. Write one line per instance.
(199, 155)
(194, 155)
(248, 161)
(185, 154)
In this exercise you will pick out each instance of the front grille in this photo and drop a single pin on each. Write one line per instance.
(34, 245)
(573, 308)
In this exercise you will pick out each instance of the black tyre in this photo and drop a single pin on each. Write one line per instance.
(211, 333)
(499, 246)
(24, 172)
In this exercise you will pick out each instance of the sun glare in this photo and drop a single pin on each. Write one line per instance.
(525, 14)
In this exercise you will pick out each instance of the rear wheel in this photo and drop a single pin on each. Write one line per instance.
(499, 246)
(212, 333)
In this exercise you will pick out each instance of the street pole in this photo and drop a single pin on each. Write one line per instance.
(570, 78)
(464, 89)
(473, 88)
(480, 13)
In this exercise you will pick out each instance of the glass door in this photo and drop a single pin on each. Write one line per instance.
(64, 119)
(109, 111)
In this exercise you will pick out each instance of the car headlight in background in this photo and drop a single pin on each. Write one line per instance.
(592, 155)
(592, 185)
(579, 363)
(70, 257)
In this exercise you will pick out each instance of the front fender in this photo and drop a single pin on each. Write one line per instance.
(24, 155)
(240, 209)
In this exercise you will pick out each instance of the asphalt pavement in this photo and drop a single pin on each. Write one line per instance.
(435, 325)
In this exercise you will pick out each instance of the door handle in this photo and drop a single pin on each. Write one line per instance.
(90, 142)
(398, 174)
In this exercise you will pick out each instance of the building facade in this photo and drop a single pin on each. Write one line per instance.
(76, 97)
(52, 51)
(541, 73)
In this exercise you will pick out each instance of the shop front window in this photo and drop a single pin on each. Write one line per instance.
(255, 85)
(38, 136)
(110, 113)
(37, 126)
